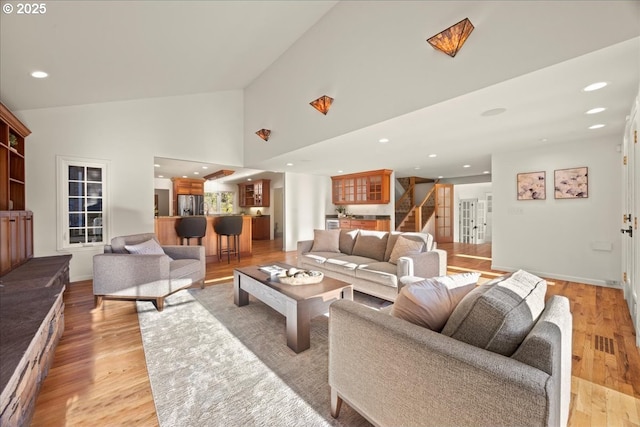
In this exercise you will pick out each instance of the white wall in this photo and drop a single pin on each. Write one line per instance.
(203, 127)
(305, 211)
(577, 239)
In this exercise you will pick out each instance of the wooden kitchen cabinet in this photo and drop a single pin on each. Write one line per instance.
(372, 187)
(189, 186)
(254, 193)
(366, 224)
(261, 227)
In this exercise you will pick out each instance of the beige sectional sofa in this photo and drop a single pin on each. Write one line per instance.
(367, 259)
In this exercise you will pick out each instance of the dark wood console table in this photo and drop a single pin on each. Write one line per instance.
(31, 324)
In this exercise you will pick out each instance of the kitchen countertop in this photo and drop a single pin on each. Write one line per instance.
(359, 217)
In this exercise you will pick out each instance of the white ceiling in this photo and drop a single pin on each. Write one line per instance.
(100, 51)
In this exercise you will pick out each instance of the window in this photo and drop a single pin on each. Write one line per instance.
(82, 203)
(219, 201)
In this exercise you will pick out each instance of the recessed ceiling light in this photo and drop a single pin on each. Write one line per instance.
(433, 155)
(440, 177)
(596, 110)
(160, 176)
(417, 168)
(205, 167)
(486, 172)
(248, 179)
(595, 86)
(39, 74)
(466, 166)
(184, 176)
(289, 164)
(383, 140)
(598, 126)
(493, 112)
(156, 165)
(340, 171)
(196, 173)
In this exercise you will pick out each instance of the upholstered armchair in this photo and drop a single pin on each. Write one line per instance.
(137, 267)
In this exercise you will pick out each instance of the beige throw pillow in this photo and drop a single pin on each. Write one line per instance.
(430, 302)
(404, 247)
(326, 241)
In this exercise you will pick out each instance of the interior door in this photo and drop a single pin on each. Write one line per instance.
(467, 216)
(444, 213)
(481, 221)
(630, 235)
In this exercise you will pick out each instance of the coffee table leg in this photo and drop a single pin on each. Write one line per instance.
(240, 296)
(347, 293)
(298, 327)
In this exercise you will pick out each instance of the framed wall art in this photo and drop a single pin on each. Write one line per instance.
(571, 183)
(531, 186)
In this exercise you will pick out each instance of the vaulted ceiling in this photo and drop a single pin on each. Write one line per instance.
(528, 58)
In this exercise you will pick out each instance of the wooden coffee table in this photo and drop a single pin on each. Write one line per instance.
(298, 303)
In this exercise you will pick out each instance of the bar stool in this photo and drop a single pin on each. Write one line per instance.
(228, 226)
(191, 227)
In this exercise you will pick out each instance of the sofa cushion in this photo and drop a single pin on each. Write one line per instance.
(382, 273)
(346, 264)
(498, 317)
(149, 247)
(347, 240)
(185, 268)
(371, 244)
(326, 241)
(430, 302)
(404, 247)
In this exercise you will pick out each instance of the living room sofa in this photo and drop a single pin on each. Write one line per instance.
(367, 259)
(500, 360)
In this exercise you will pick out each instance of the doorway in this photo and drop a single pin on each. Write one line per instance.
(472, 223)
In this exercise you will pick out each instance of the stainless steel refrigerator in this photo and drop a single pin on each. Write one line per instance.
(190, 205)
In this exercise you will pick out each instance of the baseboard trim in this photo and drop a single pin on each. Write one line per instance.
(546, 275)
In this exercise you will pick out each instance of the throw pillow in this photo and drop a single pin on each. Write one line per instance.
(498, 317)
(371, 244)
(150, 247)
(326, 241)
(404, 247)
(430, 302)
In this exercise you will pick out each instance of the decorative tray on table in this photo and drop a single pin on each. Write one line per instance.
(293, 276)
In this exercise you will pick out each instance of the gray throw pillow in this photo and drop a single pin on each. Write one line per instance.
(326, 241)
(430, 302)
(150, 247)
(498, 317)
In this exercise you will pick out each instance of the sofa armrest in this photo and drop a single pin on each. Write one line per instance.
(425, 264)
(114, 272)
(397, 373)
(304, 246)
(184, 252)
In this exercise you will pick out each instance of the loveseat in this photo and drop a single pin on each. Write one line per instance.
(503, 358)
(138, 267)
(372, 261)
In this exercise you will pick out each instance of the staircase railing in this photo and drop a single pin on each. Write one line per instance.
(422, 212)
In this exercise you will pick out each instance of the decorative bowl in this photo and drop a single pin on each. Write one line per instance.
(302, 277)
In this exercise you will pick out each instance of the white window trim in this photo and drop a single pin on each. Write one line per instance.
(62, 238)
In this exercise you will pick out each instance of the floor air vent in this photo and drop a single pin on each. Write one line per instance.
(604, 344)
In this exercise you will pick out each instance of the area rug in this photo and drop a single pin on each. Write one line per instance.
(212, 363)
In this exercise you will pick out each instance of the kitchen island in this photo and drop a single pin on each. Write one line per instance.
(165, 229)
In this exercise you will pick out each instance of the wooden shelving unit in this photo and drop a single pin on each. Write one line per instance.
(254, 194)
(16, 222)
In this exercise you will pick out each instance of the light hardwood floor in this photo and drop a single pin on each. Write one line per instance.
(99, 376)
